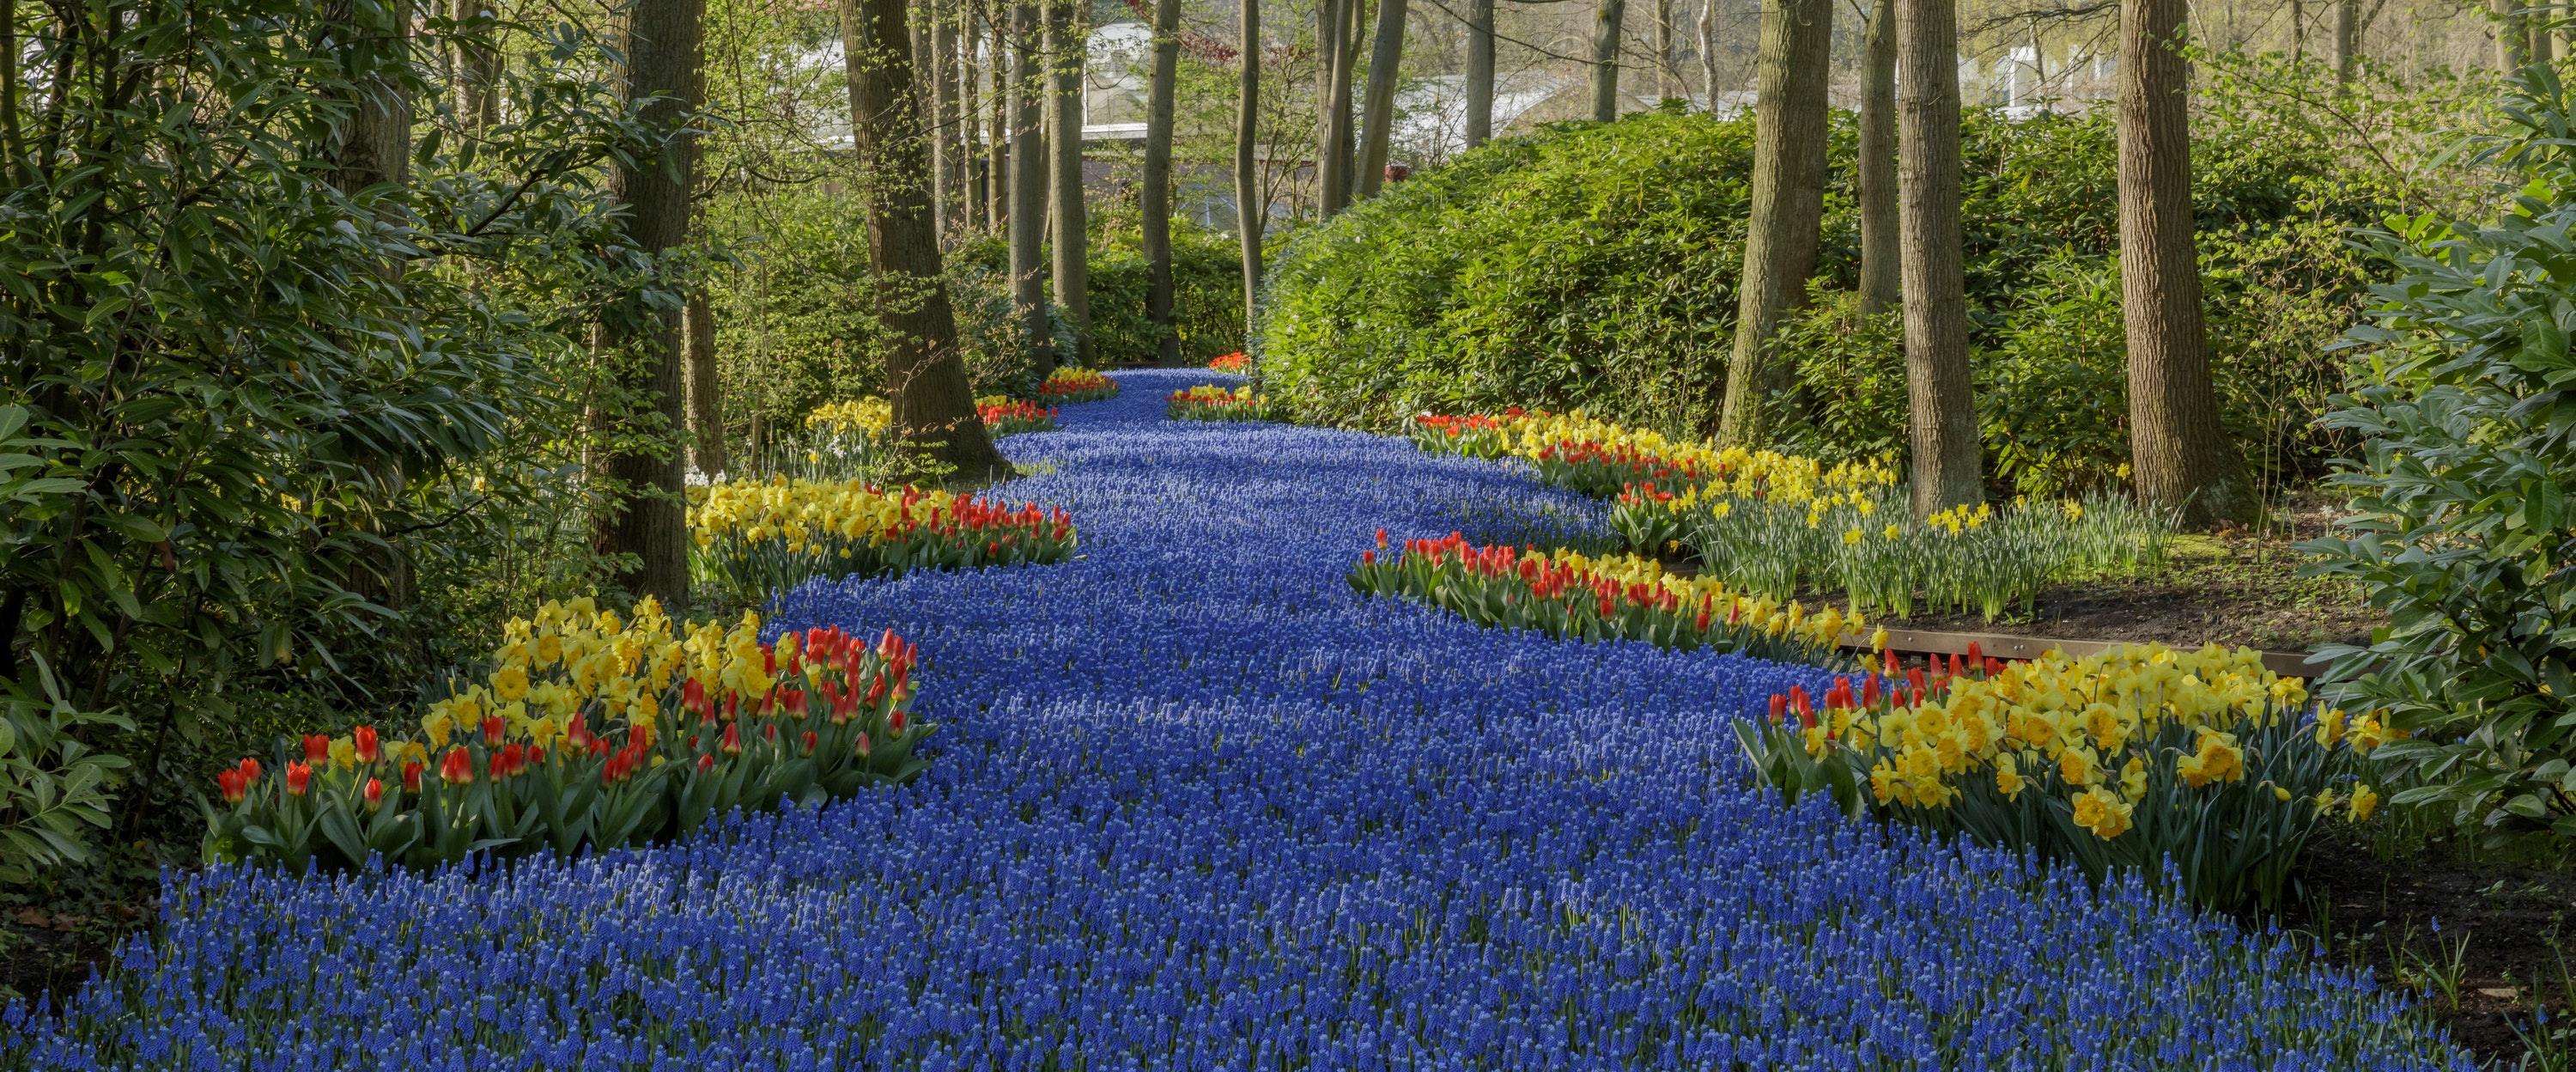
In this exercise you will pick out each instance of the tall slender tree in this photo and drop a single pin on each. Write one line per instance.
(1333, 160)
(947, 143)
(1608, 20)
(1251, 210)
(1377, 119)
(934, 408)
(704, 402)
(477, 65)
(2512, 42)
(1942, 413)
(1788, 207)
(970, 111)
(640, 511)
(1708, 51)
(1005, 105)
(2178, 451)
(1068, 47)
(1028, 175)
(1155, 201)
(2346, 38)
(1880, 274)
(1480, 72)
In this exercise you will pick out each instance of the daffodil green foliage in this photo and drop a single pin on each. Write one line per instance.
(589, 732)
(2125, 760)
(2463, 521)
(1565, 594)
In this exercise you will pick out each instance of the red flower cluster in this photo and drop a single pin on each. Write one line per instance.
(1233, 362)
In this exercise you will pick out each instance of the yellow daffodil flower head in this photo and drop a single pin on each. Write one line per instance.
(2364, 801)
(2107, 816)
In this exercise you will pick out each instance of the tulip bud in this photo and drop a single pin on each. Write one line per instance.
(507, 763)
(732, 742)
(1779, 707)
(232, 784)
(317, 748)
(249, 771)
(411, 776)
(365, 739)
(1976, 653)
(1368, 558)
(374, 794)
(895, 721)
(863, 743)
(298, 777)
(706, 763)
(770, 731)
(457, 768)
(693, 695)
(809, 743)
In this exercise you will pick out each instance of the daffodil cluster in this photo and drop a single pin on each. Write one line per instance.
(1778, 524)
(2115, 759)
(754, 538)
(1565, 593)
(1210, 403)
(591, 729)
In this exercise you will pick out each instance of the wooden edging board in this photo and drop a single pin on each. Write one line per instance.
(1927, 642)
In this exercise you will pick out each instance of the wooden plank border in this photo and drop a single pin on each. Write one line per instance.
(2002, 646)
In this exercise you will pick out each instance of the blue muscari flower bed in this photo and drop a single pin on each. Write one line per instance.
(1199, 807)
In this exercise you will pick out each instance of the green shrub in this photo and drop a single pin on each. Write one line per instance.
(2465, 494)
(1207, 296)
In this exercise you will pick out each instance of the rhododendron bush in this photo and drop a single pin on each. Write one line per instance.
(1194, 804)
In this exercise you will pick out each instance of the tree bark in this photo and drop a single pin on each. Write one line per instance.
(947, 145)
(640, 512)
(1333, 163)
(1880, 273)
(1251, 208)
(1788, 207)
(1378, 117)
(1942, 423)
(1028, 174)
(2180, 455)
(1005, 115)
(2346, 38)
(1708, 51)
(705, 404)
(934, 408)
(1607, 17)
(2542, 49)
(1663, 48)
(476, 63)
(375, 145)
(1068, 47)
(1155, 204)
(2510, 38)
(1480, 72)
(970, 113)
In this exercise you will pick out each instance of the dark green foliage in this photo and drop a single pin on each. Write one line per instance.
(2465, 493)
(1592, 266)
(1207, 296)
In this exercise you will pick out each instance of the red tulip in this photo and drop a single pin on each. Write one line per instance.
(577, 735)
(457, 768)
(809, 742)
(507, 763)
(233, 785)
(298, 777)
(770, 731)
(411, 776)
(895, 721)
(732, 742)
(1368, 558)
(1890, 659)
(365, 736)
(249, 771)
(492, 729)
(374, 794)
(693, 695)
(1779, 707)
(317, 748)
(863, 743)
(796, 702)
(706, 763)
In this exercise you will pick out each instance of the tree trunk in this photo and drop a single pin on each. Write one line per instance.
(1788, 207)
(705, 404)
(1251, 208)
(1607, 17)
(375, 145)
(948, 146)
(1378, 117)
(1663, 48)
(1028, 182)
(973, 146)
(2180, 455)
(1880, 273)
(1942, 423)
(2346, 38)
(934, 408)
(476, 63)
(2510, 53)
(1004, 122)
(1333, 165)
(640, 512)
(1708, 51)
(2542, 49)
(1155, 204)
(2298, 31)
(1067, 45)
(1480, 72)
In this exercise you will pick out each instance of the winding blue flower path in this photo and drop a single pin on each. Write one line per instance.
(1195, 805)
